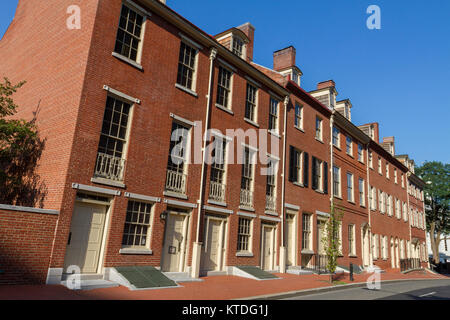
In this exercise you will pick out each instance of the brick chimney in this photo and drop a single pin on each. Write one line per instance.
(326, 84)
(249, 31)
(284, 59)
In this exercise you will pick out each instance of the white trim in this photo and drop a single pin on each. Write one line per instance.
(180, 203)
(253, 82)
(83, 187)
(127, 60)
(135, 196)
(28, 209)
(322, 214)
(138, 7)
(217, 210)
(227, 65)
(187, 90)
(190, 42)
(183, 120)
(270, 219)
(271, 156)
(247, 215)
(275, 96)
(121, 94)
(252, 149)
(217, 133)
(292, 206)
(136, 251)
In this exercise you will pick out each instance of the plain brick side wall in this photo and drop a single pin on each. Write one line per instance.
(25, 246)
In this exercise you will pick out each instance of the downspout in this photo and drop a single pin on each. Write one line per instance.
(369, 204)
(196, 255)
(331, 159)
(408, 210)
(426, 245)
(283, 187)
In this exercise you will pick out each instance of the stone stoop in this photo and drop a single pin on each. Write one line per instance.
(87, 282)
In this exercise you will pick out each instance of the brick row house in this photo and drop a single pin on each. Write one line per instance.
(125, 104)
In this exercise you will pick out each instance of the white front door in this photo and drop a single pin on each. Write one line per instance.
(291, 232)
(174, 250)
(85, 238)
(268, 247)
(213, 254)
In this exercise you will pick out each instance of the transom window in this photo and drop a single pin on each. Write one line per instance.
(129, 33)
(224, 87)
(137, 224)
(186, 66)
(298, 116)
(273, 114)
(244, 235)
(250, 105)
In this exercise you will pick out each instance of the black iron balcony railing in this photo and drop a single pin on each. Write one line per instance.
(409, 264)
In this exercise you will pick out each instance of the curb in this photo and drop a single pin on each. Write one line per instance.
(290, 294)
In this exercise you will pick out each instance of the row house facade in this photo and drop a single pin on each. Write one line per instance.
(125, 108)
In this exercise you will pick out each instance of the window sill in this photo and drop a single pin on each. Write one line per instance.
(184, 89)
(362, 162)
(129, 61)
(246, 208)
(299, 129)
(352, 202)
(107, 182)
(274, 133)
(217, 203)
(253, 123)
(136, 251)
(319, 140)
(307, 251)
(337, 147)
(175, 195)
(352, 256)
(224, 109)
(338, 197)
(298, 184)
(319, 191)
(244, 254)
(363, 206)
(271, 213)
(350, 155)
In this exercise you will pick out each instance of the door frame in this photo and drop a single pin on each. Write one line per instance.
(295, 238)
(223, 237)
(106, 226)
(186, 234)
(274, 245)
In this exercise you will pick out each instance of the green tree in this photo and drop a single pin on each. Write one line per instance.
(331, 241)
(437, 200)
(20, 150)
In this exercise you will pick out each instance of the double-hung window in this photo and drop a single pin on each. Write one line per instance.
(129, 34)
(137, 224)
(186, 66)
(351, 240)
(306, 232)
(360, 153)
(244, 235)
(217, 182)
(250, 103)
(318, 174)
(247, 179)
(337, 182)
(176, 166)
(271, 186)
(336, 137)
(349, 145)
(370, 159)
(395, 176)
(350, 193)
(319, 128)
(273, 115)
(110, 158)
(398, 209)
(238, 46)
(224, 88)
(380, 169)
(298, 116)
(362, 195)
(296, 165)
(387, 170)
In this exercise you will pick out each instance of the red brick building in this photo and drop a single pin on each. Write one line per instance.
(124, 103)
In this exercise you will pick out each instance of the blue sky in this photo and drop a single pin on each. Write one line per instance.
(398, 76)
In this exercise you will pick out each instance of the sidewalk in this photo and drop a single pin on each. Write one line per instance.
(212, 288)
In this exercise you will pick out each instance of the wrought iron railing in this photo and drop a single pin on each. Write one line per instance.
(217, 191)
(109, 167)
(176, 182)
(410, 264)
(318, 263)
(271, 203)
(246, 198)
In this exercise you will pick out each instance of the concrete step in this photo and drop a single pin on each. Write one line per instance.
(299, 271)
(180, 277)
(90, 284)
(87, 276)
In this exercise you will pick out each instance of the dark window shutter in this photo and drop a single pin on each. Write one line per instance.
(325, 177)
(305, 169)
(291, 164)
(314, 175)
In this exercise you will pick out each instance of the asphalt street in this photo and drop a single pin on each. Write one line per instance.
(407, 290)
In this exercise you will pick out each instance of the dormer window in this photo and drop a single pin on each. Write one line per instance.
(296, 77)
(238, 46)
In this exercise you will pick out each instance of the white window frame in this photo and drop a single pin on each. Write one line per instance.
(250, 236)
(319, 129)
(352, 198)
(362, 195)
(298, 118)
(339, 183)
(349, 148)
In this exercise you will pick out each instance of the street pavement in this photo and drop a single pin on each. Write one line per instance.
(407, 290)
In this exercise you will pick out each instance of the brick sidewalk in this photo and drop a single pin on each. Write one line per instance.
(212, 288)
